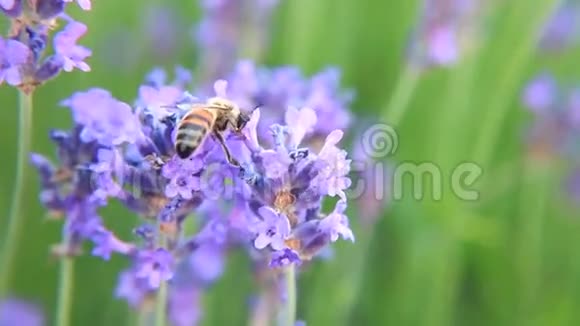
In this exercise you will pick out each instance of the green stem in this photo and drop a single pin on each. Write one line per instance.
(162, 292)
(536, 190)
(65, 291)
(15, 219)
(290, 311)
(395, 109)
(161, 305)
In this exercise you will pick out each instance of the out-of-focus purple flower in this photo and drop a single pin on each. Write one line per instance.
(132, 288)
(84, 4)
(104, 118)
(7, 4)
(223, 32)
(275, 90)
(443, 47)
(284, 257)
(19, 312)
(371, 185)
(574, 108)
(13, 55)
(155, 266)
(272, 230)
(540, 94)
(49, 9)
(563, 28)
(162, 27)
(208, 262)
(184, 305)
(71, 54)
(443, 23)
(11, 8)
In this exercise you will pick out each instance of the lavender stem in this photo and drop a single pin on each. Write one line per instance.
(15, 219)
(161, 300)
(290, 311)
(65, 289)
(394, 112)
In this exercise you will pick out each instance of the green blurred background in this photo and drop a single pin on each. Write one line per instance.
(510, 258)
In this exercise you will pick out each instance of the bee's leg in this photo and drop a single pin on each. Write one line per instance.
(229, 157)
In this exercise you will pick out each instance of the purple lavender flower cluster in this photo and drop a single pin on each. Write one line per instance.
(272, 206)
(23, 61)
(222, 32)
(557, 115)
(555, 130)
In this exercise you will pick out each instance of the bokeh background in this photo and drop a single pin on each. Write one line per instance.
(509, 258)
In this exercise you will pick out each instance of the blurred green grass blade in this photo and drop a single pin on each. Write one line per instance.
(523, 27)
(537, 187)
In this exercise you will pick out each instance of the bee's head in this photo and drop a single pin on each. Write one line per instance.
(242, 120)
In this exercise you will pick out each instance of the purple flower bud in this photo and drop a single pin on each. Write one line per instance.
(49, 69)
(48, 9)
(284, 257)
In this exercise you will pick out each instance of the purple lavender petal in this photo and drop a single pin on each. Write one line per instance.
(48, 9)
(104, 118)
(272, 230)
(7, 4)
(106, 243)
(65, 46)
(301, 122)
(332, 178)
(84, 4)
(13, 54)
(154, 266)
(336, 223)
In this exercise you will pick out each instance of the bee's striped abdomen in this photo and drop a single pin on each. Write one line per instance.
(191, 131)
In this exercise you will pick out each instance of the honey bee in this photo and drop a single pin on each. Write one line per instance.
(214, 117)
